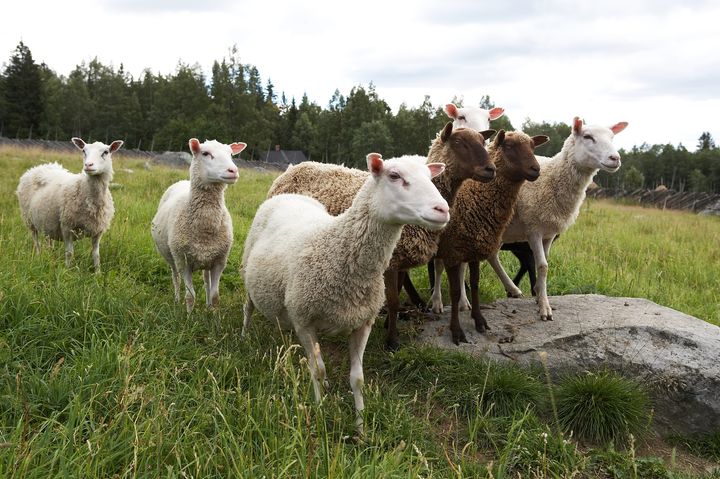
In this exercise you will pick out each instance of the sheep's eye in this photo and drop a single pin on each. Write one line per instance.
(105, 152)
(206, 154)
(589, 137)
(461, 117)
(394, 176)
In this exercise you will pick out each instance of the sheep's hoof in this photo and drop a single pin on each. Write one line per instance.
(464, 306)
(481, 327)
(458, 336)
(515, 295)
(547, 317)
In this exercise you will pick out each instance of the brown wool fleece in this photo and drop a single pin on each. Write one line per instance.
(482, 211)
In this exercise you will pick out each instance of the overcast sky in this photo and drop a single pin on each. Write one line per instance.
(654, 64)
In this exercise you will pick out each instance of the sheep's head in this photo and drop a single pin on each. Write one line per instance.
(467, 152)
(472, 117)
(593, 145)
(212, 161)
(405, 193)
(97, 157)
(518, 152)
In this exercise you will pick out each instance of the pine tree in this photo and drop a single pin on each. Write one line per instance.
(23, 95)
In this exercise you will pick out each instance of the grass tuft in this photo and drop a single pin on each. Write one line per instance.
(602, 407)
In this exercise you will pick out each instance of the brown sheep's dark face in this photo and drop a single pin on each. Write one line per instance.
(518, 150)
(468, 148)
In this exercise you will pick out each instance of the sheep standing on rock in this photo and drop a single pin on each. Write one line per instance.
(479, 216)
(549, 206)
(317, 273)
(67, 206)
(192, 228)
(462, 151)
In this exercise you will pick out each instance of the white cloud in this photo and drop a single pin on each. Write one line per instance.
(650, 63)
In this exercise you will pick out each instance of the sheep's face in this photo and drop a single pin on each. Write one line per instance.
(467, 152)
(97, 157)
(405, 193)
(475, 118)
(593, 145)
(212, 161)
(518, 152)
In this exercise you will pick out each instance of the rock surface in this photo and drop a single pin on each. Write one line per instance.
(675, 355)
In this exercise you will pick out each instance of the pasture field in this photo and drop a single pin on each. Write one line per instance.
(102, 375)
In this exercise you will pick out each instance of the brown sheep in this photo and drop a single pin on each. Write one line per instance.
(480, 215)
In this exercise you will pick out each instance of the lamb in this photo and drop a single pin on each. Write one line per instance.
(479, 216)
(317, 273)
(551, 205)
(67, 206)
(192, 228)
(461, 150)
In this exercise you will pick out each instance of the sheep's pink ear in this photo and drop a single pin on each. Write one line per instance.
(375, 164)
(446, 132)
(499, 138)
(451, 111)
(115, 145)
(496, 113)
(237, 147)
(488, 133)
(540, 140)
(618, 127)
(577, 125)
(194, 146)
(79, 143)
(435, 169)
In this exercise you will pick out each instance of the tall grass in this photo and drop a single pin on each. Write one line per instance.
(102, 375)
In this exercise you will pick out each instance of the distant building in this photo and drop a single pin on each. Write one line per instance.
(283, 157)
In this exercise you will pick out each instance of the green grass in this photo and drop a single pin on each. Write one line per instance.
(102, 375)
(602, 408)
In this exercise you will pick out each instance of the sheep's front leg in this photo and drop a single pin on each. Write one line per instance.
(463, 304)
(358, 341)
(247, 315)
(539, 247)
(189, 289)
(454, 274)
(481, 324)
(69, 249)
(36, 241)
(176, 281)
(215, 273)
(510, 288)
(309, 341)
(207, 282)
(96, 252)
(392, 298)
(411, 291)
(436, 301)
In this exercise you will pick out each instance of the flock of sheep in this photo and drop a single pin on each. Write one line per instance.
(331, 244)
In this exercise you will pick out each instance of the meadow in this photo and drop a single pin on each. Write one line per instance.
(102, 375)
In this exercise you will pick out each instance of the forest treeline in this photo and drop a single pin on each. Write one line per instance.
(158, 112)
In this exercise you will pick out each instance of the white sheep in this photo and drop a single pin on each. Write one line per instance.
(550, 205)
(317, 273)
(67, 206)
(472, 117)
(192, 228)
